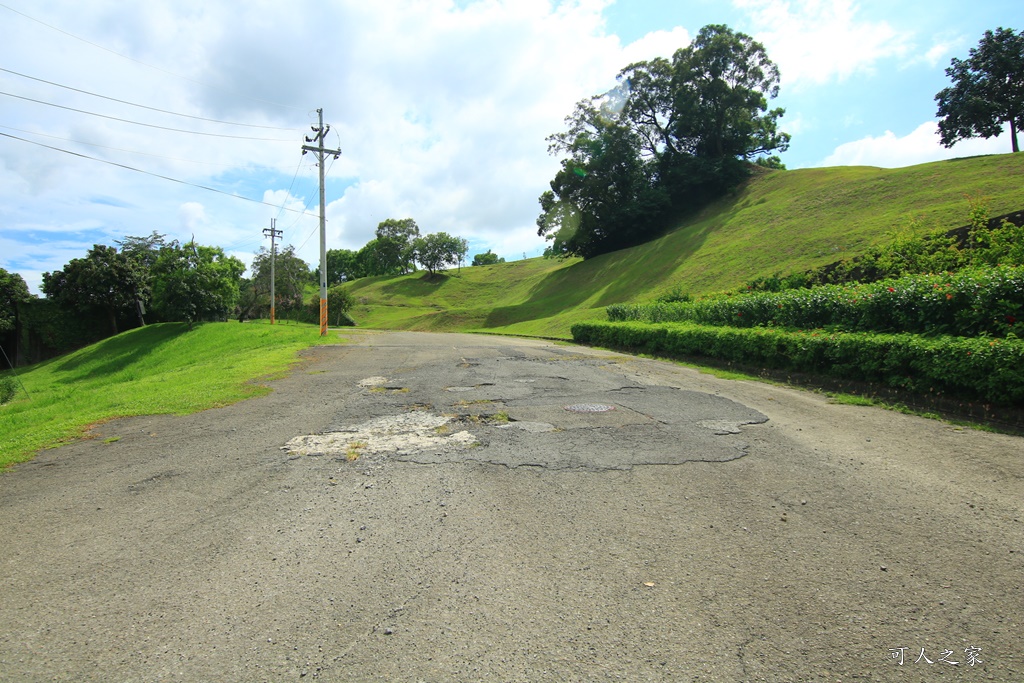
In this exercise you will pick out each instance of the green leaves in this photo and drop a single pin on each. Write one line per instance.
(973, 368)
(439, 250)
(194, 283)
(987, 90)
(972, 302)
(672, 136)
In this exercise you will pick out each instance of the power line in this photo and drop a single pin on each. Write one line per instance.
(142, 106)
(147, 125)
(131, 59)
(119, 149)
(150, 173)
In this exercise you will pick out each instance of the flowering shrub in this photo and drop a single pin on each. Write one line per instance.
(981, 367)
(974, 301)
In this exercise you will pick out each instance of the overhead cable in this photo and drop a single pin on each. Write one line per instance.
(150, 173)
(120, 149)
(147, 125)
(142, 106)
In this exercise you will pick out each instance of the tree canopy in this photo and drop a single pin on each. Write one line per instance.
(193, 283)
(488, 258)
(291, 274)
(13, 291)
(987, 91)
(673, 135)
(105, 280)
(394, 245)
(439, 250)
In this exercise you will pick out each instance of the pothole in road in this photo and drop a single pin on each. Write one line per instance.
(589, 408)
(405, 434)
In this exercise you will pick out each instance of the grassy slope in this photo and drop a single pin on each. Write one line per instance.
(778, 222)
(156, 369)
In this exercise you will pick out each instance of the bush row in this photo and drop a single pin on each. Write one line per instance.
(909, 250)
(989, 369)
(971, 302)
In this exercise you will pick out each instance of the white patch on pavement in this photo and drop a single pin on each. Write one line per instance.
(532, 427)
(394, 435)
(721, 427)
(373, 382)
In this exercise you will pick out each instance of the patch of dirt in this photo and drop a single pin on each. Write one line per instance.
(404, 434)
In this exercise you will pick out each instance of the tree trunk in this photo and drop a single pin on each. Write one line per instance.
(1013, 135)
(113, 319)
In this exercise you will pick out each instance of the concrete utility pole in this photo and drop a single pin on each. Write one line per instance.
(321, 131)
(273, 234)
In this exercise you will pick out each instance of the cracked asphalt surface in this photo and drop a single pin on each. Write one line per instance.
(673, 527)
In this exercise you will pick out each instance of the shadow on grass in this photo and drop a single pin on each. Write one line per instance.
(415, 286)
(617, 277)
(117, 353)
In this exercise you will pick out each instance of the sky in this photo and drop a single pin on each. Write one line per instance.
(187, 117)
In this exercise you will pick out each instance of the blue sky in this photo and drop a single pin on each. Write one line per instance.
(440, 108)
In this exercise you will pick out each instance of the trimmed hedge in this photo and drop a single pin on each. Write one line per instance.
(985, 368)
(971, 302)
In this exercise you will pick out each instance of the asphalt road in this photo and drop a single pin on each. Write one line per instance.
(417, 507)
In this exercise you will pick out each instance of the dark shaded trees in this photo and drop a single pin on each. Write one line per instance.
(13, 293)
(987, 91)
(673, 135)
(105, 280)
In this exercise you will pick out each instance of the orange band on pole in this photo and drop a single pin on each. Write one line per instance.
(323, 317)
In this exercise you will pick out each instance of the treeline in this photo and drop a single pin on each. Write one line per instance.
(673, 136)
(396, 249)
(152, 279)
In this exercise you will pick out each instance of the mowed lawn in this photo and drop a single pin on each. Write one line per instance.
(163, 368)
(777, 222)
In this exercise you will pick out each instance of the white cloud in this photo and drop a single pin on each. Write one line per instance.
(920, 146)
(818, 41)
(656, 44)
(440, 112)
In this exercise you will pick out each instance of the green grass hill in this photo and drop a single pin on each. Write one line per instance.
(777, 222)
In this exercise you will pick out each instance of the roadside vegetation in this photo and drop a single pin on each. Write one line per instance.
(953, 334)
(157, 369)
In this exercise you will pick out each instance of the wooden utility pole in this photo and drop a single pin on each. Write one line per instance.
(273, 234)
(321, 131)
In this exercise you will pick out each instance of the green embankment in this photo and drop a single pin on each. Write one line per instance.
(782, 221)
(151, 370)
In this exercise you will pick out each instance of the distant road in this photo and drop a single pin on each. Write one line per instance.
(420, 507)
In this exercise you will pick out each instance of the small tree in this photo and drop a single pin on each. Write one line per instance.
(987, 90)
(488, 258)
(438, 250)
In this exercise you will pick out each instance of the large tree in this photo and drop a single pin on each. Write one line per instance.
(439, 250)
(192, 283)
(342, 266)
(394, 244)
(987, 91)
(291, 274)
(105, 280)
(673, 135)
